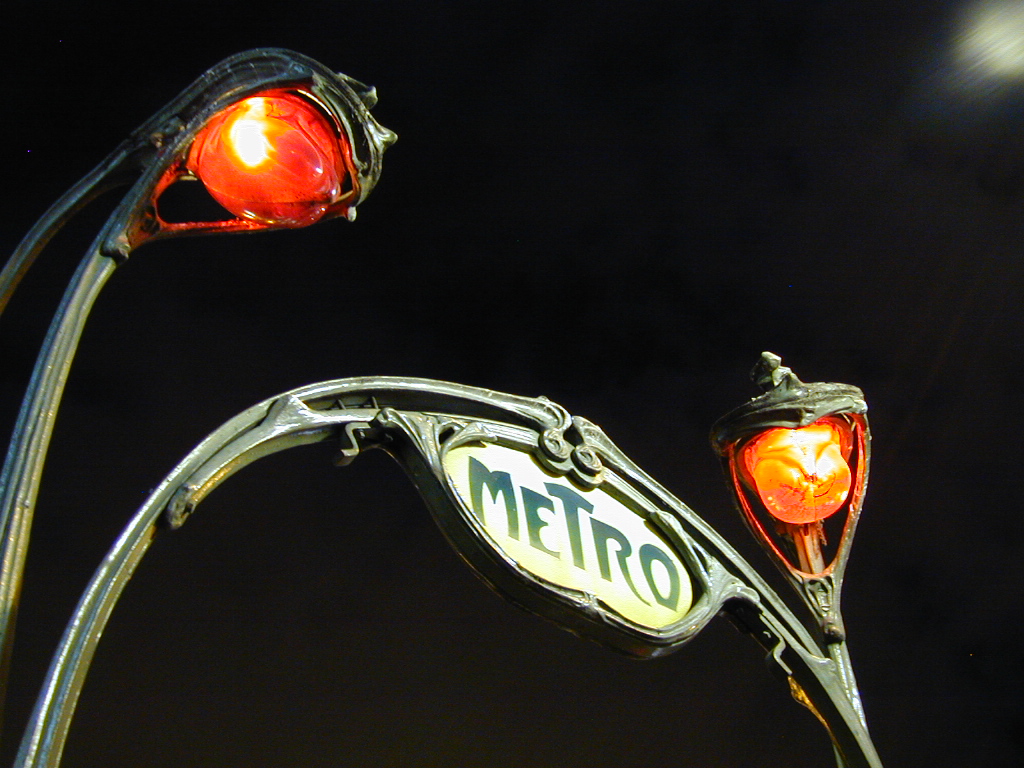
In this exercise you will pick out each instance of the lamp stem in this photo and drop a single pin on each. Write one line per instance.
(23, 467)
(99, 180)
(807, 541)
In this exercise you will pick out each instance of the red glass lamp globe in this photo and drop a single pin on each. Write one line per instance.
(272, 158)
(801, 475)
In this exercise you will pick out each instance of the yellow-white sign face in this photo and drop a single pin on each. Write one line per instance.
(580, 539)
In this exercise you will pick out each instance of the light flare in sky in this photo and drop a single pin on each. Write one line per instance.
(990, 42)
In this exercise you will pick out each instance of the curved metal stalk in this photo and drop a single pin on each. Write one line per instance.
(99, 180)
(23, 466)
(151, 159)
(47, 731)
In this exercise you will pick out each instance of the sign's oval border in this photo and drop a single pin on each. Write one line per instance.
(581, 452)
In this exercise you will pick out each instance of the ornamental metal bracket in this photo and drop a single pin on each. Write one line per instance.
(542, 506)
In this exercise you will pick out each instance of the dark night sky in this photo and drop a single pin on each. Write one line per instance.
(617, 205)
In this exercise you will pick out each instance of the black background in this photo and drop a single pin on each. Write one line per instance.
(617, 205)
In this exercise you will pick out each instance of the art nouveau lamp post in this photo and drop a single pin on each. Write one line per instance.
(541, 504)
(277, 138)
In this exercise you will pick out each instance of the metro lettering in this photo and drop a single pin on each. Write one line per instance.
(572, 503)
(648, 554)
(497, 482)
(660, 572)
(532, 502)
(604, 533)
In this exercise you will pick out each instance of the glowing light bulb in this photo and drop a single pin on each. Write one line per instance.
(273, 158)
(800, 474)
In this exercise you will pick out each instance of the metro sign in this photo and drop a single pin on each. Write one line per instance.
(580, 539)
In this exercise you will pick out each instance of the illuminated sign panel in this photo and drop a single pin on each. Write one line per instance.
(584, 540)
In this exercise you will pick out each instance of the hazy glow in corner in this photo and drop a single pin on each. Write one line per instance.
(991, 41)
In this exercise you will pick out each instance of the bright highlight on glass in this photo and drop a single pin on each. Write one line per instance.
(248, 133)
(273, 158)
(801, 475)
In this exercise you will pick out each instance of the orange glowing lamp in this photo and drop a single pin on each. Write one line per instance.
(801, 475)
(273, 158)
